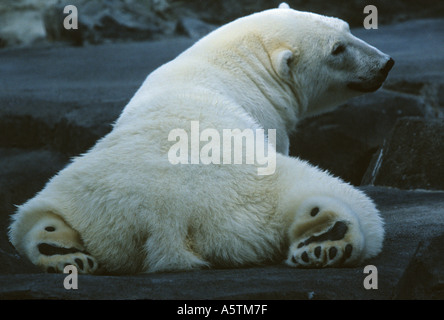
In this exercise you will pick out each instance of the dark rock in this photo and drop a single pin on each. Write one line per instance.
(99, 21)
(441, 96)
(430, 93)
(23, 173)
(352, 12)
(411, 158)
(344, 141)
(405, 86)
(28, 132)
(53, 18)
(21, 22)
(12, 263)
(67, 98)
(424, 276)
(218, 12)
(194, 28)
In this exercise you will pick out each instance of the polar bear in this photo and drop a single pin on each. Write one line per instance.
(125, 207)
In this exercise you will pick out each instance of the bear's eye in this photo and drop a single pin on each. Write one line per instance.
(337, 49)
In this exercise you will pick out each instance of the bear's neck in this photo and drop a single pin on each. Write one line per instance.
(270, 102)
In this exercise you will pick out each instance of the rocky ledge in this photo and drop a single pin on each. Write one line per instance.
(55, 102)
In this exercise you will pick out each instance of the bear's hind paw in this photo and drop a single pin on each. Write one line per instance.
(326, 234)
(319, 255)
(54, 259)
(52, 244)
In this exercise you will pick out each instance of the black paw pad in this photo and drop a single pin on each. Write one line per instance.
(304, 257)
(332, 252)
(317, 251)
(348, 251)
(50, 250)
(337, 232)
(314, 211)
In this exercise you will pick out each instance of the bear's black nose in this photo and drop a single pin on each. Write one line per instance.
(388, 66)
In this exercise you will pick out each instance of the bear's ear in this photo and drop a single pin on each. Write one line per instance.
(284, 5)
(282, 60)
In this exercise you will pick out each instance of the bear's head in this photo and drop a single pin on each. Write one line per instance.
(319, 58)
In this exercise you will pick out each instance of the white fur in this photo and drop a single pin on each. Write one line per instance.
(133, 211)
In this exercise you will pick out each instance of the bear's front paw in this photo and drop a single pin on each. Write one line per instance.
(325, 233)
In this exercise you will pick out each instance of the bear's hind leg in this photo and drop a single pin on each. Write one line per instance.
(52, 244)
(325, 233)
